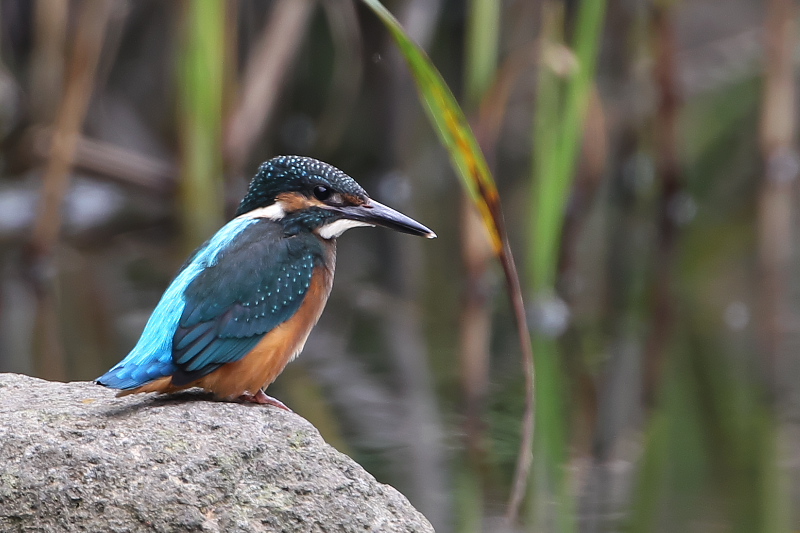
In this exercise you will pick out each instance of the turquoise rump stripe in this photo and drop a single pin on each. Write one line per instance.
(151, 358)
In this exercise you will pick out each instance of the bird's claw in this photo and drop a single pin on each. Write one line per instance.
(263, 399)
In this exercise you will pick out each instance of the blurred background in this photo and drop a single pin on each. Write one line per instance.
(645, 152)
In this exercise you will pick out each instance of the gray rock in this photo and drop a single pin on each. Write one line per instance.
(75, 458)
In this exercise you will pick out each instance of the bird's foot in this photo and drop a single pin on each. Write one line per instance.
(262, 399)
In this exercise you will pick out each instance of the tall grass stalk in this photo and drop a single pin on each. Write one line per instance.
(565, 81)
(202, 75)
(482, 44)
(566, 76)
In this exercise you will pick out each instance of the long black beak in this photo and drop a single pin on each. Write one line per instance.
(377, 214)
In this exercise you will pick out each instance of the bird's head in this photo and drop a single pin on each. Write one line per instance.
(304, 194)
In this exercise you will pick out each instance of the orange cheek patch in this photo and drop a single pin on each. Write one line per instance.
(293, 201)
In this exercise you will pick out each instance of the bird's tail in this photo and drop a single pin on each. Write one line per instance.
(128, 376)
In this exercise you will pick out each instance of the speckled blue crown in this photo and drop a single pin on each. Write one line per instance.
(288, 173)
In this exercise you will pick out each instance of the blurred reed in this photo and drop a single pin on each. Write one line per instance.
(565, 81)
(85, 50)
(778, 195)
(200, 110)
(656, 207)
(468, 159)
(481, 42)
(265, 73)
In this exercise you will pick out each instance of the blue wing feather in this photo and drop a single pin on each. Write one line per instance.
(243, 282)
(151, 358)
(257, 283)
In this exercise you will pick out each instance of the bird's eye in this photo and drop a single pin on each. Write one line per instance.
(322, 193)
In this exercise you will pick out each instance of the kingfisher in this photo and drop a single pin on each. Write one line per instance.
(244, 303)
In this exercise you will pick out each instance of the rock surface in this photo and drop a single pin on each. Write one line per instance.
(75, 458)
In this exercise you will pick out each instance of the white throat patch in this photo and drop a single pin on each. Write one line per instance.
(271, 212)
(337, 227)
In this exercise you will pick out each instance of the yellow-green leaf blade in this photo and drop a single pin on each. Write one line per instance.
(452, 127)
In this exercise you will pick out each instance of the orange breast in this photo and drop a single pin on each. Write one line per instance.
(262, 365)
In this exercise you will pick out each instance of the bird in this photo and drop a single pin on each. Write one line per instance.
(243, 304)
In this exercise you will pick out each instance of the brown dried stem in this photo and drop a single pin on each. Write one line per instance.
(781, 167)
(47, 58)
(347, 72)
(84, 57)
(114, 163)
(264, 76)
(669, 172)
